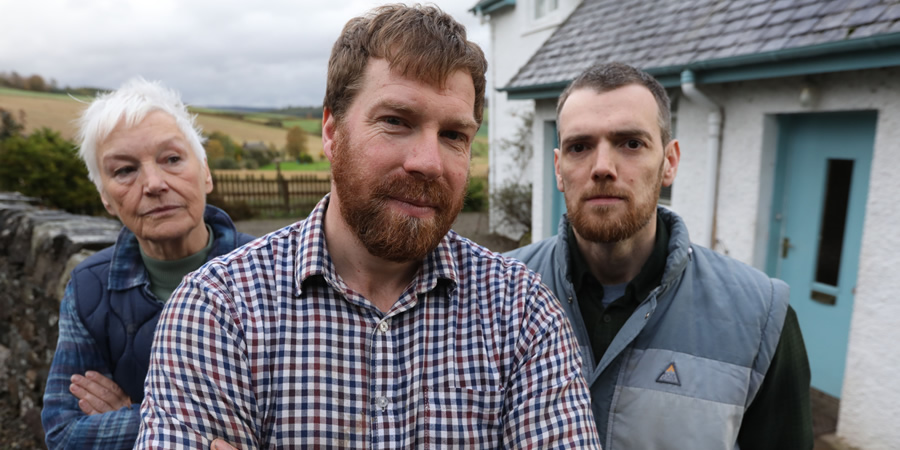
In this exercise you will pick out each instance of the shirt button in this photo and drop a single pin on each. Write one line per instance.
(383, 326)
(606, 318)
(382, 402)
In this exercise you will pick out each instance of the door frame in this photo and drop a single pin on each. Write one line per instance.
(851, 246)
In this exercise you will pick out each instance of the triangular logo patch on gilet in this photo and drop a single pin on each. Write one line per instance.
(669, 376)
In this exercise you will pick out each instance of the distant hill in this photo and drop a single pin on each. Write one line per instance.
(311, 112)
(305, 112)
(240, 109)
(260, 116)
(59, 111)
(82, 91)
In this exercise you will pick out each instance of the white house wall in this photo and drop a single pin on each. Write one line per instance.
(870, 403)
(870, 406)
(506, 60)
(514, 38)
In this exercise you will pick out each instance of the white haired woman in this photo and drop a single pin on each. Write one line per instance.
(145, 154)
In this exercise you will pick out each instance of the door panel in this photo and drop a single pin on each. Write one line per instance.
(557, 199)
(822, 180)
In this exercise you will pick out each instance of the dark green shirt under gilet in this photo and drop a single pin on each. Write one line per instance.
(165, 276)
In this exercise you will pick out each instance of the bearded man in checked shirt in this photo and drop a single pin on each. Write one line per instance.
(370, 324)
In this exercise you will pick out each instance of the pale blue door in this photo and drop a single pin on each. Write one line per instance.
(557, 199)
(822, 180)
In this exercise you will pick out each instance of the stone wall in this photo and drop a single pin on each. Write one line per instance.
(39, 247)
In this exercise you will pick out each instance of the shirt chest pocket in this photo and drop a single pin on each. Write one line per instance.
(460, 417)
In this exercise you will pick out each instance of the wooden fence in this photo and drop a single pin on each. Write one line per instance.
(282, 195)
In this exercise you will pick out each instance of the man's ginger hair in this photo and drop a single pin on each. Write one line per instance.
(419, 42)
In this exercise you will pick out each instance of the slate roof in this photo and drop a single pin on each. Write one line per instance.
(659, 34)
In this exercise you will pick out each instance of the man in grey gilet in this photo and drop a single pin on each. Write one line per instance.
(682, 348)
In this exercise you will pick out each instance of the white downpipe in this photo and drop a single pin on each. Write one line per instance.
(713, 147)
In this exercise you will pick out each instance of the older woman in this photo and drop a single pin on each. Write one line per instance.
(144, 153)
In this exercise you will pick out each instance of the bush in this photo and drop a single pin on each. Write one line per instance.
(260, 157)
(513, 200)
(480, 147)
(296, 143)
(305, 158)
(230, 149)
(214, 149)
(9, 127)
(239, 210)
(475, 195)
(46, 166)
(223, 163)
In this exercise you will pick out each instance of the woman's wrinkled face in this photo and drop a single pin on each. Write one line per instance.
(153, 182)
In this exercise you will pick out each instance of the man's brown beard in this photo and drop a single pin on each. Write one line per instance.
(363, 204)
(595, 224)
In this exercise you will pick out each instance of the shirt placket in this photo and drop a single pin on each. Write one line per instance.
(385, 433)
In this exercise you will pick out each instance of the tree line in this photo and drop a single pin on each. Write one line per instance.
(37, 83)
(222, 152)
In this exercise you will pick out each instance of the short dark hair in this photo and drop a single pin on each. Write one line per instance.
(421, 42)
(610, 76)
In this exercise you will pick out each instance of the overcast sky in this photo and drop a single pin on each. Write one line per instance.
(269, 53)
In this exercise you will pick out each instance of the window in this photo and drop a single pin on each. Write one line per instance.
(834, 220)
(544, 7)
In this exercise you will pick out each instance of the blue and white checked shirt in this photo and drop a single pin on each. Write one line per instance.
(267, 347)
(77, 351)
(64, 422)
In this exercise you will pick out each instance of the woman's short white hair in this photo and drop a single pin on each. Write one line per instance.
(130, 104)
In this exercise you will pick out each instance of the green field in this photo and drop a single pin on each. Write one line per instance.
(59, 112)
(293, 166)
(24, 93)
(311, 125)
(483, 131)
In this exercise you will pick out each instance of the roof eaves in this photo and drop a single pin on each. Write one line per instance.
(885, 44)
(489, 6)
(857, 54)
(538, 91)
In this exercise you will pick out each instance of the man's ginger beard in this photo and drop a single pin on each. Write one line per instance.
(384, 232)
(602, 224)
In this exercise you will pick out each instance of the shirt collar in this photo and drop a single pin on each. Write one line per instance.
(314, 260)
(439, 265)
(651, 273)
(578, 266)
(126, 270)
(645, 281)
